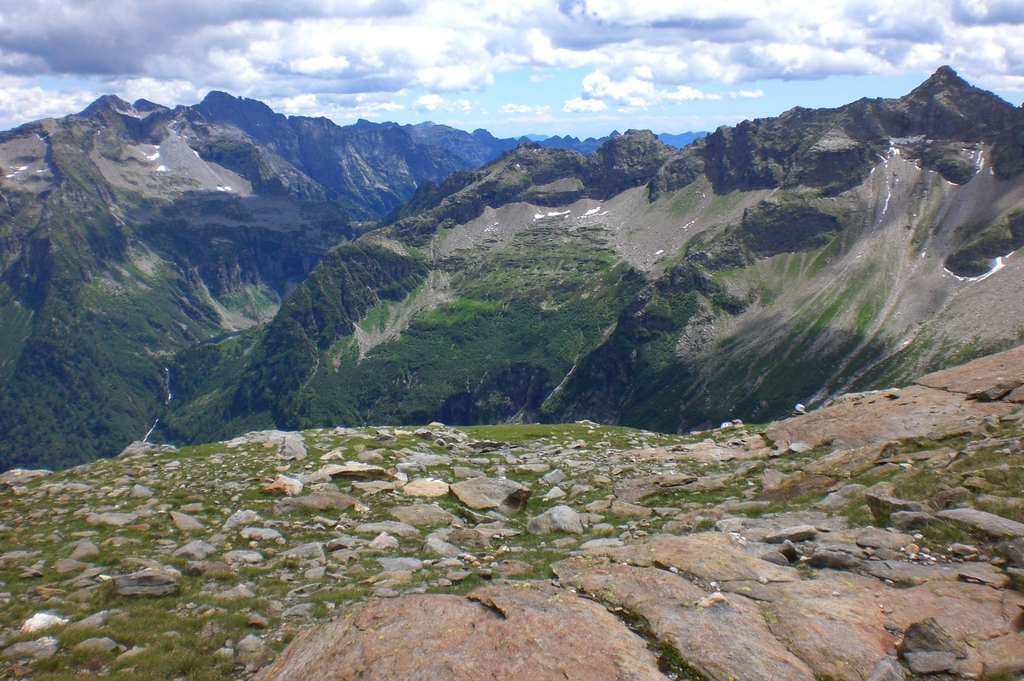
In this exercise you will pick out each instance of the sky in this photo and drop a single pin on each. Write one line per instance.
(578, 67)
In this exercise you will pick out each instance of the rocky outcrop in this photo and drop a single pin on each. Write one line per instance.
(501, 632)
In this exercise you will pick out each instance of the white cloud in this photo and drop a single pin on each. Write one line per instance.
(580, 105)
(311, 55)
(522, 109)
(432, 102)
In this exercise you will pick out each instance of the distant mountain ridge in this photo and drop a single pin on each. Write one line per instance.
(780, 261)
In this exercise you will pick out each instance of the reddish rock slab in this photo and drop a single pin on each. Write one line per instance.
(514, 632)
(862, 419)
(834, 624)
(723, 637)
(711, 556)
(987, 378)
(1003, 655)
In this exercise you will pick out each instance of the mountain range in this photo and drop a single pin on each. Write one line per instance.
(205, 271)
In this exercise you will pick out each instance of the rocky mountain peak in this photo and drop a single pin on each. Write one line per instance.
(945, 106)
(108, 103)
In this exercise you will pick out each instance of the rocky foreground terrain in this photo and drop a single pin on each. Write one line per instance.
(879, 537)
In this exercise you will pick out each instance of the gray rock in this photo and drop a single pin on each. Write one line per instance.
(259, 533)
(507, 496)
(930, 662)
(140, 492)
(21, 476)
(243, 556)
(326, 500)
(602, 543)
(439, 547)
(384, 542)
(422, 514)
(40, 649)
(557, 519)
(928, 636)
(792, 534)
(883, 505)
(311, 550)
(389, 526)
(775, 557)
(69, 565)
(235, 593)
(910, 520)
(1015, 551)
(84, 549)
(402, 564)
(836, 560)
(252, 653)
(293, 447)
(886, 669)
(148, 582)
(115, 519)
(553, 478)
(93, 621)
(103, 644)
(242, 518)
(987, 522)
(195, 550)
(356, 470)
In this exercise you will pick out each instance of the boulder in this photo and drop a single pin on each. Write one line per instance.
(110, 518)
(986, 522)
(259, 533)
(241, 518)
(792, 534)
(314, 550)
(40, 649)
(103, 644)
(185, 522)
(500, 632)
(148, 582)
(388, 526)
(557, 519)
(887, 669)
(355, 470)
(884, 505)
(323, 500)
(910, 520)
(422, 514)
(507, 496)
(252, 653)
(426, 487)
(20, 476)
(283, 484)
(195, 550)
(439, 547)
(836, 560)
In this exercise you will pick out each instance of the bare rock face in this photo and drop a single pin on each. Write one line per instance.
(712, 557)
(507, 496)
(501, 632)
(723, 637)
(861, 419)
(985, 379)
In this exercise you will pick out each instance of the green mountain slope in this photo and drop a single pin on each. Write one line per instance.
(776, 262)
(131, 232)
